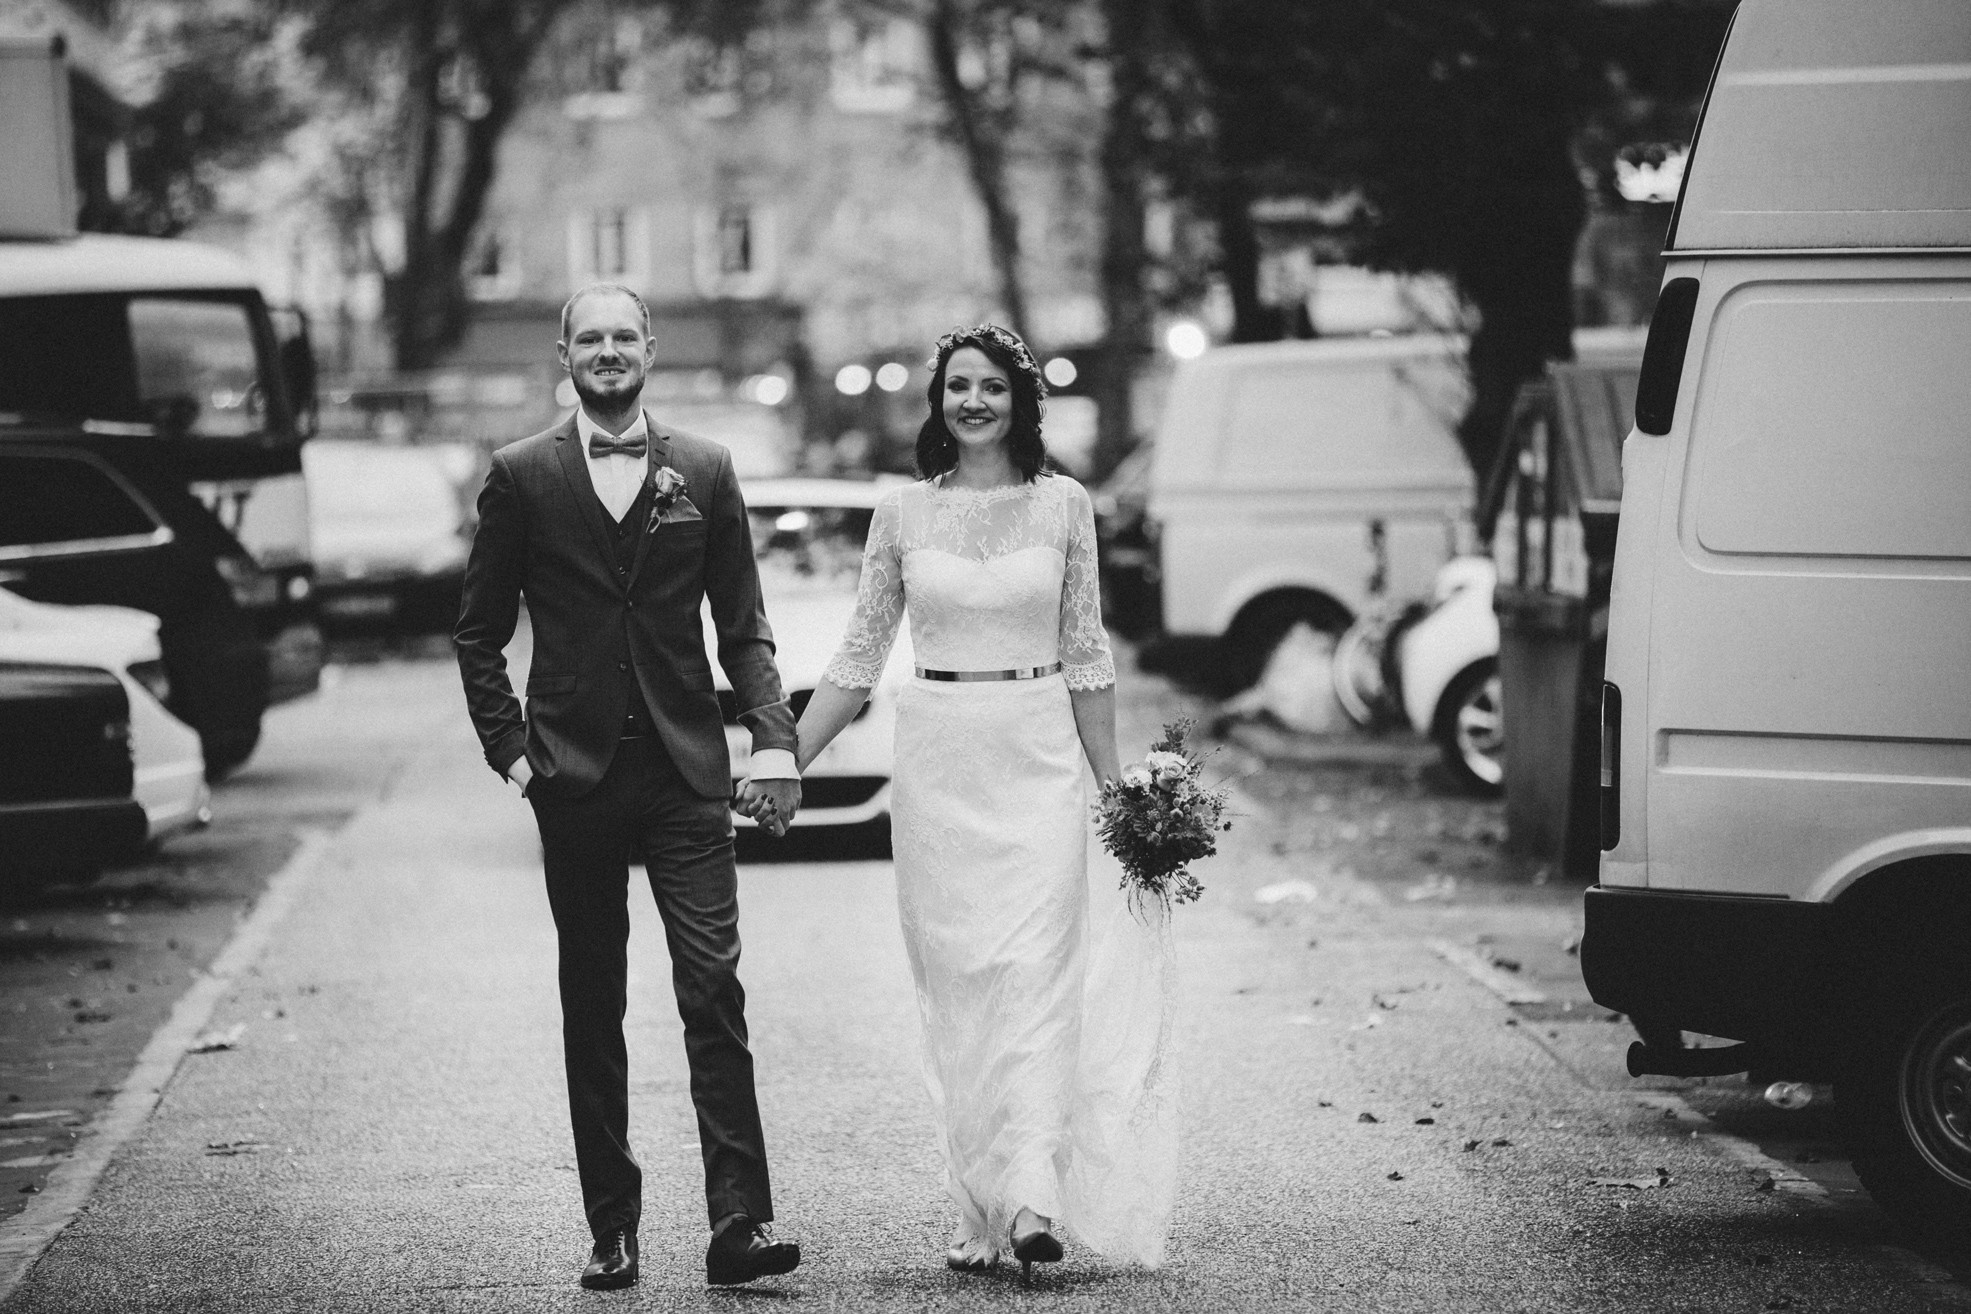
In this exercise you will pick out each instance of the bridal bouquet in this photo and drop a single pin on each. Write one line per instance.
(1158, 818)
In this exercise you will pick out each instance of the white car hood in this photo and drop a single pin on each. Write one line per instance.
(110, 637)
(808, 625)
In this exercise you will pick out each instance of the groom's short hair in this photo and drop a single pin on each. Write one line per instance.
(596, 289)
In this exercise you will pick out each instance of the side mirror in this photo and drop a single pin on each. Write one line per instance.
(297, 364)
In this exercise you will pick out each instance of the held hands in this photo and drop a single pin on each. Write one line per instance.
(771, 803)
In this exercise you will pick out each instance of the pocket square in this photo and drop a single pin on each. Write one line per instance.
(677, 512)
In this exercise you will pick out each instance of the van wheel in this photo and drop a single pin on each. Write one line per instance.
(1470, 729)
(1258, 629)
(1906, 1109)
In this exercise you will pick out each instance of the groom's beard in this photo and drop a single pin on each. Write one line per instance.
(620, 397)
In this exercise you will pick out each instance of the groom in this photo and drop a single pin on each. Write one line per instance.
(614, 528)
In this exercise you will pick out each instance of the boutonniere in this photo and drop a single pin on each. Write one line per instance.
(668, 485)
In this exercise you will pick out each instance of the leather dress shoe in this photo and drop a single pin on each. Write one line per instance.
(612, 1263)
(744, 1251)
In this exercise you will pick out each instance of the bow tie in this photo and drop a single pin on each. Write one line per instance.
(631, 444)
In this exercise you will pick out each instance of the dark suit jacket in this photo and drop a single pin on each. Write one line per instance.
(543, 533)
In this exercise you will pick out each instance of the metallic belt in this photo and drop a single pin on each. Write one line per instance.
(969, 677)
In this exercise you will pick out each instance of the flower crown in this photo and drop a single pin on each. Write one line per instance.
(1005, 339)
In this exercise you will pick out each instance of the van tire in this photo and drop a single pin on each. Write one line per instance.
(1260, 625)
(1905, 1108)
(1470, 729)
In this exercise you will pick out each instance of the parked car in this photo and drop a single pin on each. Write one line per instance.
(1302, 482)
(391, 530)
(809, 536)
(1126, 547)
(66, 808)
(76, 529)
(1786, 718)
(162, 358)
(169, 766)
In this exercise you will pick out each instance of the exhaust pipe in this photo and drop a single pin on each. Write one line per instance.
(1647, 1060)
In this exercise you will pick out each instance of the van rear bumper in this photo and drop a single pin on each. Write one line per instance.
(1764, 970)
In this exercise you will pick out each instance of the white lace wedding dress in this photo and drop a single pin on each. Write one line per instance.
(1046, 1031)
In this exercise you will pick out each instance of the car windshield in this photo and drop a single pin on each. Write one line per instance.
(380, 485)
(186, 364)
(806, 547)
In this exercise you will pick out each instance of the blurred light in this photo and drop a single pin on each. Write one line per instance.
(892, 377)
(1655, 174)
(1186, 339)
(1060, 371)
(564, 393)
(792, 522)
(298, 588)
(770, 390)
(852, 380)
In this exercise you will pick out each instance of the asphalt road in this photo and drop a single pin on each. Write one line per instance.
(1370, 1124)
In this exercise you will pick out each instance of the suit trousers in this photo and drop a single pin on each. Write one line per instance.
(642, 807)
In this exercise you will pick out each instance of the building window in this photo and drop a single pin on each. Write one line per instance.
(605, 72)
(493, 269)
(873, 66)
(610, 244)
(734, 254)
(713, 76)
(735, 240)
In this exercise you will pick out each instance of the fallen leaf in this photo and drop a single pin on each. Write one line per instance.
(251, 1145)
(1502, 1143)
(1327, 1104)
(1395, 1177)
(1780, 1302)
(1367, 1117)
(1661, 1179)
(1426, 1122)
(213, 1041)
(1471, 1145)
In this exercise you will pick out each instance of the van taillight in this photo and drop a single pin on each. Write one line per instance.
(1663, 355)
(1611, 765)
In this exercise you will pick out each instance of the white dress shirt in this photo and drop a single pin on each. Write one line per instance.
(617, 479)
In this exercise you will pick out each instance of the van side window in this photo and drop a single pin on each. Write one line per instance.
(48, 500)
(1834, 419)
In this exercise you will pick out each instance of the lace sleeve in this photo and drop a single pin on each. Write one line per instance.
(1085, 658)
(858, 663)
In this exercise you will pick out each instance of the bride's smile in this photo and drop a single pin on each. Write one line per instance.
(978, 399)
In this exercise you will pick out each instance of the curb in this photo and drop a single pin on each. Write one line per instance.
(25, 1237)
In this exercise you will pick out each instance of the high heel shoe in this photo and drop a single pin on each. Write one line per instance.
(971, 1258)
(970, 1252)
(1039, 1246)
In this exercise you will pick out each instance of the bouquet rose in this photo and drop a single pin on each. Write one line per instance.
(1158, 818)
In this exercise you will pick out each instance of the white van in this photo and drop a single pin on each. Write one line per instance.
(1301, 481)
(1786, 756)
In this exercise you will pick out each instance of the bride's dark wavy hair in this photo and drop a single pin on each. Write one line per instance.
(937, 449)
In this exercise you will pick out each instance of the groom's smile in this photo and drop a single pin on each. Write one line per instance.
(607, 351)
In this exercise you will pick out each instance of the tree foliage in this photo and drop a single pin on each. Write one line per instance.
(1457, 131)
(442, 81)
(219, 103)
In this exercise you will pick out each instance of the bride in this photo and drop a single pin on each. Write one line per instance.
(1043, 1036)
